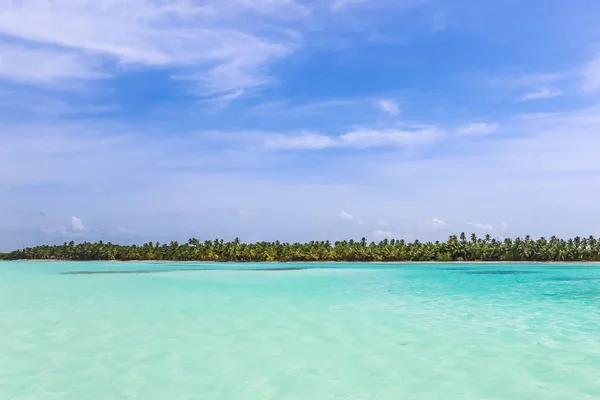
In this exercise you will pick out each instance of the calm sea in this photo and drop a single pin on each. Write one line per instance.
(322, 331)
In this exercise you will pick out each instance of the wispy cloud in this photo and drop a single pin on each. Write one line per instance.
(33, 103)
(45, 66)
(542, 93)
(341, 4)
(323, 107)
(346, 215)
(533, 80)
(76, 224)
(217, 103)
(308, 141)
(383, 233)
(591, 75)
(481, 226)
(477, 129)
(389, 106)
(360, 138)
(349, 217)
(195, 40)
(363, 138)
(549, 158)
(435, 223)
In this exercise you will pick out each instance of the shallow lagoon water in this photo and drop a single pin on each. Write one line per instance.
(108, 330)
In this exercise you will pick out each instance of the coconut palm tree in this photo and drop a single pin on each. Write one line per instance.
(456, 248)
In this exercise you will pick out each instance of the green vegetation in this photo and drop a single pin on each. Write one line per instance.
(454, 249)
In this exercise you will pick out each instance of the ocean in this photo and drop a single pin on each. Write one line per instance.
(110, 330)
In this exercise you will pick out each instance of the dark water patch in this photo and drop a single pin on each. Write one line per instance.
(587, 295)
(550, 294)
(126, 272)
(159, 271)
(572, 267)
(573, 279)
(277, 269)
(500, 272)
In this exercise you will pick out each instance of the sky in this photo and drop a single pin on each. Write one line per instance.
(138, 120)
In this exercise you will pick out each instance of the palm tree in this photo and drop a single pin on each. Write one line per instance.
(454, 249)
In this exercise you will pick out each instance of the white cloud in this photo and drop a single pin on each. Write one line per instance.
(527, 81)
(542, 93)
(480, 226)
(591, 75)
(37, 104)
(220, 102)
(346, 215)
(282, 8)
(323, 107)
(389, 106)
(361, 138)
(45, 66)
(308, 141)
(76, 224)
(220, 46)
(537, 79)
(435, 223)
(383, 233)
(349, 217)
(550, 159)
(340, 4)
(200, 40)
(389, 137)
(343, 5)
(124, 231)
(477, 129)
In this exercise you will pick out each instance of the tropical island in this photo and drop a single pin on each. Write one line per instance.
(456, 248)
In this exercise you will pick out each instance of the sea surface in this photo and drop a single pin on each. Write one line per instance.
(299, 331)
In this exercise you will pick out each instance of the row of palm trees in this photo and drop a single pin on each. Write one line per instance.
(456, 248)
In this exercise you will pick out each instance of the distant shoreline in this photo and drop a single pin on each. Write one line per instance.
(309, 262)
(457, 249)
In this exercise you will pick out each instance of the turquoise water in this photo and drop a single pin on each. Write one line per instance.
(331, 331)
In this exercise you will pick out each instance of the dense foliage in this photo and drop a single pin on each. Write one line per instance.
(454, 249)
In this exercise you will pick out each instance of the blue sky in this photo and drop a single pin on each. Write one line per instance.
(139, 120)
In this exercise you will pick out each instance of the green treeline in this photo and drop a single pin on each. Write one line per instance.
(456, 248)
